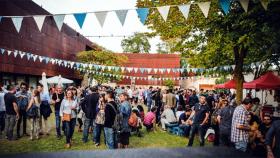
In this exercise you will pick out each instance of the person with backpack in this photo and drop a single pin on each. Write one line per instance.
(23, 98)
(112, 120)
(125, 110)
(45, 110)
(89, 106)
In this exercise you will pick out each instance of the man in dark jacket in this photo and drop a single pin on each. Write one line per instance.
(89, 105)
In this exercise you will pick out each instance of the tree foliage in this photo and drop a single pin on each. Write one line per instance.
(237, 38)
(138, 43)
(169, 83)
(103, 57)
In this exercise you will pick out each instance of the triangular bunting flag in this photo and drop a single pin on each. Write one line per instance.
(244, 4)
(225, 4)
(264, 4)
(0, 18)
(21, 54)
(47, 59)
(15, 53)
(34, 57)
(101, 16)
(164, 11)
(39, 21)
(80, 18)
(142, 14)
(149, 70)
(17, 22)
(59, 21)
(41, 58)
(155, 70)
(135, 69)
(204, 6)
(9, 52)
(168, 70)
(142, 70)
(2, 51)
(122, 68)
(121, 14)
(185, 9)
(28, 56)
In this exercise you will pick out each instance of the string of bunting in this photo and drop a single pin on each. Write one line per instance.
(122, 14)
(99, 69)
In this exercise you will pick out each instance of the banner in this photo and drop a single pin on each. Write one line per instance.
(185, 9)
(80, 18)
(59, 21)
(204, 6)
(164, 11)
(39, 20)
(101, 16)
(121, 14)
(17, 22)
(142, 14)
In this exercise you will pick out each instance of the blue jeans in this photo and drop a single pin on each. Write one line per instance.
(10, 124)
(57, 123)
(186, 129)
(69, 129)
(97, 133)
(110, 137)
(2, 121)
(241, 146)
(87, 124)
(201, 131)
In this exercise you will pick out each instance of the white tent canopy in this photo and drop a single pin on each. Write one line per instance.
(58, 80)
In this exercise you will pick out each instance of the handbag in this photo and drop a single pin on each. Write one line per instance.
(66, 117)
(33, 111)
(100, 118)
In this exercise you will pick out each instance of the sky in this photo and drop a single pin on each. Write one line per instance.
(91, 26)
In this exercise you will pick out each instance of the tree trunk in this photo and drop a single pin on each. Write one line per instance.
(239, 55)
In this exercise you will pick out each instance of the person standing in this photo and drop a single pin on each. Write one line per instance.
(193, 99)
(12, 112)
(148, 96)
(23, 98)
(45, 110)
(34, 105)
(100, 119)
(170, 100)
(240, 125)
(68, 112)
(224, 120)
(89, 106)
(111, 110)
(125, 109)
(273, 134)
(201, 115)
(57, 98)
(2, 111)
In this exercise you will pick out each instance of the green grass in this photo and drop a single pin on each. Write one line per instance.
(155, 139)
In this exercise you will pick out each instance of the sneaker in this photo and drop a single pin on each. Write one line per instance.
(67, 146)
(97, 144)
(58, 137)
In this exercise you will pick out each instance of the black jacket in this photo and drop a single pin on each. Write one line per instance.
(89, 105)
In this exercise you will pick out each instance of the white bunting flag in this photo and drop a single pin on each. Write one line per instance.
(149, 70)
(22, 54)
(15, 53)
(39, 21)
(17, 22)
(59, 21)
(164, 11)
(244, 4)
(129, 69)
(101, 16)
(264, 4)
(135, 69)
(168, 70)
(204, 6)
(155, 70)
(121, 14)
(41, 58)
(9, 52)
(123, 69)
(2, 51)
(34, 57)
(185, 9)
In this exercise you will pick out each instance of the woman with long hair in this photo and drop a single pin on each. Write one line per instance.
(68, 110)
(100, 119)
(33, 113)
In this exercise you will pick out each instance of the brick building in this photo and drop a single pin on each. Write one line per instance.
(49, 42)
(151, 61)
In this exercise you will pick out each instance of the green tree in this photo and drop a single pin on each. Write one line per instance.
(169, 83)
(237, 38)
(103, 57)
(138, 43)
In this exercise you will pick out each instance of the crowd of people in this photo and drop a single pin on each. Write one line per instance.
(119, 111)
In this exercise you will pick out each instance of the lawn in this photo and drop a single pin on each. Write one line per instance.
(154, 139)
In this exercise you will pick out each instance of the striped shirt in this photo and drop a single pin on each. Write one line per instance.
(240, 117)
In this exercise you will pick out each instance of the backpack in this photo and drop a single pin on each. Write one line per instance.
(23, 103)
(133, 120)
(117, 126)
